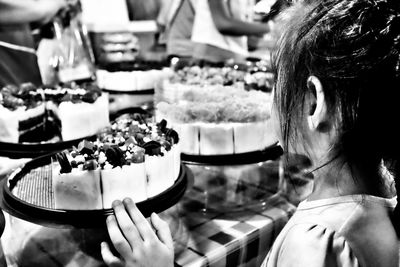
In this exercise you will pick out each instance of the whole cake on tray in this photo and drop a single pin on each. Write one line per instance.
(220, 120)
(31, 114)
(132, 158)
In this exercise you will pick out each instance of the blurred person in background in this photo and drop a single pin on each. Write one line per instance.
(221, 29)
(176, 19)
(17, 46)
(210, 30)
(144, 9)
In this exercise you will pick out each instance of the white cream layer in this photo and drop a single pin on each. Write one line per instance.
(83, 119)
(80, 190)
(129, 80)
(202, 138)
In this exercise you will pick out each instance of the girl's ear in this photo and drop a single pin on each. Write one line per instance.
(318, 117)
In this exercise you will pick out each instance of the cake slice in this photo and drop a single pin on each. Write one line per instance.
(84, 117)
(76, 188)
(121, 182)
(216, 139)
(251, 136)
(191, 143)
(22, 114)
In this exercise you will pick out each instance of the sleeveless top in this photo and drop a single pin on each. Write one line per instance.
(212, 45)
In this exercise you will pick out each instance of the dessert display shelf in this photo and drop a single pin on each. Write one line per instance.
(272, 152)
(28, 194)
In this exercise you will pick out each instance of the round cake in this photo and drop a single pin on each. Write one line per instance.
(31, 114)
(253, 76)
(132, 158)
(219, 120)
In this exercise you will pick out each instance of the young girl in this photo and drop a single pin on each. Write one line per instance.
(337, 100)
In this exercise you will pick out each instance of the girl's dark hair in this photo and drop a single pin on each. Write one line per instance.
(353, 47)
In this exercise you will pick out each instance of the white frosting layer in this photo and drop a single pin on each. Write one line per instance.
(77, 190)
(129, 80)
(83, 119)
(189, 135)
(224, 138)
(216, 139)
(252, 136)
(128, 181)
(160, 173)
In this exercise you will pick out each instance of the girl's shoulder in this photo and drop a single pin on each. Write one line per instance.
(347, 228)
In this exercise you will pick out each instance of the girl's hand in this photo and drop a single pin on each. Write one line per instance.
(138, 242)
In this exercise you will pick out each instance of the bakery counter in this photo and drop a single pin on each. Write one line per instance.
(204, 234)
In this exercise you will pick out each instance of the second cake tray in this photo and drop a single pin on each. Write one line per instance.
(269, 153)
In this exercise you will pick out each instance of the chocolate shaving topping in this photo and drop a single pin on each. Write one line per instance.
(162, 125)
(139, 138)
(90, 97)
(90, 165)
(138, 117)
(172, 134)
(86, 147)
(115, 156)
(166, 144)
(64, 162)
(152, 148)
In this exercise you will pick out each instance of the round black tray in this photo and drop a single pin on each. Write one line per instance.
(270, 153)
(51, 217)
(149, 91)
(33, 150)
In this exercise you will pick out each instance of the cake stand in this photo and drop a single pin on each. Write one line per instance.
(237, 182)
(27, 194)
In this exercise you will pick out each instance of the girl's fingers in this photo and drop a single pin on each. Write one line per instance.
(108, 256)
(117, 238)
(127, 226)
(142, 225)
(162, 230)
